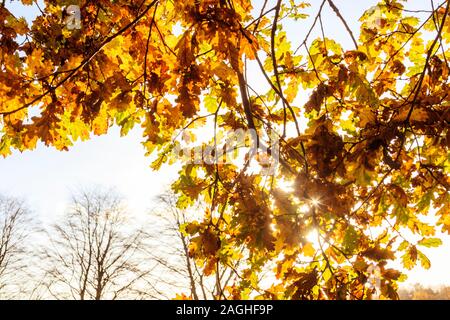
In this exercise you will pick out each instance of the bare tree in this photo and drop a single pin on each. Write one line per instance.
(177, 272)
(94, 252)
(15, 226)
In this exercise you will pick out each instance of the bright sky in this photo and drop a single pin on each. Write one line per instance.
(46, 177)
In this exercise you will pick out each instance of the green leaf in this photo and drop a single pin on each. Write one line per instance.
(403, 246)
(424, 261)
(430, 242)
(350, 239)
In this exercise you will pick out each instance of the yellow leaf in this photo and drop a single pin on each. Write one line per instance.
(308, 250)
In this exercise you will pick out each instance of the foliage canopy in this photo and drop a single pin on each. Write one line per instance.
(366, 154)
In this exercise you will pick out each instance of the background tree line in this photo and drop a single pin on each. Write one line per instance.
(97, 250)
(419, 292)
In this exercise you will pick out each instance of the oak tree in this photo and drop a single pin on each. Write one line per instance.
(362, 132)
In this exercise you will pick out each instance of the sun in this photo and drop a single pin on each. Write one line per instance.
(313, 237)
(315, 202)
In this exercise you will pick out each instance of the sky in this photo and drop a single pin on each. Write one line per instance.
(45, 178)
